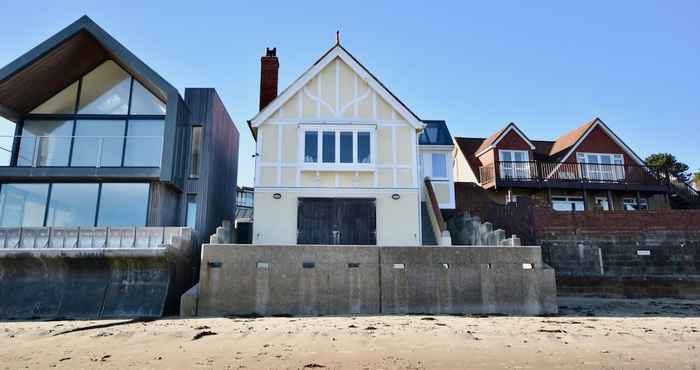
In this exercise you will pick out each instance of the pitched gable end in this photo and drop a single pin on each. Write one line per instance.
(590, 127)
(493, 140)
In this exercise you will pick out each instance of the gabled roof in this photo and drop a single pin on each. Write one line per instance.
(568, 143)
(337, 51)
(493, 140)
(435, 133)
(63, 58)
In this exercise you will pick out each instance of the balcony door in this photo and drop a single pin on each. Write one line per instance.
(514, 164)
(602, 167)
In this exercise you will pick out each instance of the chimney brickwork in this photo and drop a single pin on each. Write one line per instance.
(269, 69)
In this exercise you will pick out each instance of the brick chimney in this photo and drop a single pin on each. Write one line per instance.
(269, 67)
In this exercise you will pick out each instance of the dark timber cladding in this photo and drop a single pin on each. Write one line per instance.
(344, 221)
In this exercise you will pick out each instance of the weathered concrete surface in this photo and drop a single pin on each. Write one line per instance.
(323, 280)
(296, 280)
(95, 281)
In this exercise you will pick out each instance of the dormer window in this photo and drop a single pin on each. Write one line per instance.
(337, 147)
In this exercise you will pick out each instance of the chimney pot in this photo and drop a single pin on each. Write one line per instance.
(269, 69)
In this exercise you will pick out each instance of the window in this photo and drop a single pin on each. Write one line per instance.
(72, 205)
(567, 203)
(45, 143)
(310, 146)
(346, 147)
(630, 204)
(338, 146)
(328, 147)
(61, 103)
(191, 211)
(105, 90)
(514, 164)
(602, 166)
(439, 165)
(123, 204)
(143, 102)
(602, 203)
(23, 204)
(144, 143)
(98, 143)
(196, 150)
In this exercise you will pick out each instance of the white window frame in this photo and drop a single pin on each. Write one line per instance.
(633, 202)
(597, 171)
(432, 167)
(511, 170)
(319, 165)
(570, 200)
(603, 201)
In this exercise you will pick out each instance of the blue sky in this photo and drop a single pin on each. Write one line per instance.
(547, 66)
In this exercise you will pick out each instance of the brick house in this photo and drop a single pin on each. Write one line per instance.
(589, 167)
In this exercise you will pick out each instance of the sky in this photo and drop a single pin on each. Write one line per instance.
(547, 66)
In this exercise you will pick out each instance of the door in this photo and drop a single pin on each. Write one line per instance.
(336, 221)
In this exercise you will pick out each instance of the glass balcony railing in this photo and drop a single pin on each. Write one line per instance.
(81, 151)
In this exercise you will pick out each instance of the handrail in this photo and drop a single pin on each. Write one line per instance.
(545, 171)
(437, 221)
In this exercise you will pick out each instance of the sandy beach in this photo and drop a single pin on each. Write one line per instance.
(588, 334)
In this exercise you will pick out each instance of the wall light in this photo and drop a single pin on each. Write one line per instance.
(395, 196)
(277, 195)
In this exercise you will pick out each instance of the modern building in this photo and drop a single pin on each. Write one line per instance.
(589, 167)
(102, 140)
(338, 158)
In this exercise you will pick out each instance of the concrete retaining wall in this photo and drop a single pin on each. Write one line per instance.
(324, 280)
(116, 276)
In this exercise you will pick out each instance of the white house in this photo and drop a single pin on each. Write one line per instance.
(338, 158)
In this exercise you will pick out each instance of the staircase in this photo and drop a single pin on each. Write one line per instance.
(428, 234)
(683, 196)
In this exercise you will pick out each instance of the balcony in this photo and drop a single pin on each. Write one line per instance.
(70, 157)
(538, 174)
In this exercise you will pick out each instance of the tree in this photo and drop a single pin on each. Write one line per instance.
(667, 163)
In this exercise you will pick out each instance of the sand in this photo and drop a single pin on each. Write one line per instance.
(590, 334)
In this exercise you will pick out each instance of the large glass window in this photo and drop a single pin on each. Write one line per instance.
(191, 211)
(311, 146)
(143, 102)
(61, 103)
(567, 203)
(23, 204)
(7, 132)
(144, 143)
(98, 143)
(328, 147)
(45, 143)
(196, 150)
(72, 205)
(105, 90)
(602, 166)
(346, 147)
(514, 164)
(123, 205)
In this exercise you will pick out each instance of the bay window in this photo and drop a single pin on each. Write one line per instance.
(338, 147)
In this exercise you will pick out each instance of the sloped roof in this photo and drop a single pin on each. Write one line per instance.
(435, 133)
(566, 141)
(494, 139)
(63, 58)
(470, 146)
(336, 51)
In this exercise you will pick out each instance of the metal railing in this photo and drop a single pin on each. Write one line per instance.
(539, 171)
(81, 151)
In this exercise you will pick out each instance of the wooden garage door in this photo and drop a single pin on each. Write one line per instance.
(349, 221)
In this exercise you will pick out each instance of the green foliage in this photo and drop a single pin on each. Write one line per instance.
(667, 163)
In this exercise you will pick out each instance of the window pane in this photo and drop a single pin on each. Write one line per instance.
(61, 103)
(191, 211)
(72, 205)
(346, 147)
(7, 132)
(105, 90)
(123, 205)
(23, 204)
(196, 150)
(143, 102)
(363, 155)
(50, 140)
(439, 165)
(98, 143)
(144, 143)
(328, 147)
(311, 146)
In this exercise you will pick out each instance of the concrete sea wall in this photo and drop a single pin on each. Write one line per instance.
(92, 273)
(326, 280)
